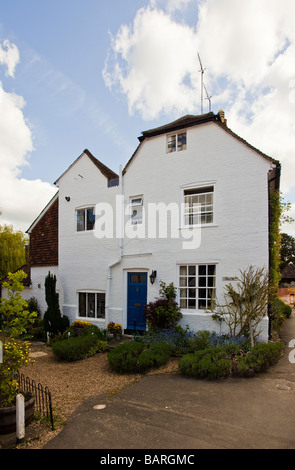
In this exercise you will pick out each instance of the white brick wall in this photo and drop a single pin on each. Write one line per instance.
(237, 239)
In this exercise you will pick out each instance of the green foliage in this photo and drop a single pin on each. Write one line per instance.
(12, 250)
(15, 316)
(167, 292)
(54, 322)
(177, 338)
(157, 355)
(123, 358)
(223, 361)
(210, 363)
(276, 212)
(200, 341)
(134, 357)
(78, 347)
(15, 356)
(81, 327)
(259, 359)
(164, 313)
(287, 250)
(279, 311)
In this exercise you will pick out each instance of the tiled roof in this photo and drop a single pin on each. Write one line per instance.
(289, 271)
(109, 174)
(190, 121)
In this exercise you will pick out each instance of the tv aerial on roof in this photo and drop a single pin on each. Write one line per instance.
(202, 70)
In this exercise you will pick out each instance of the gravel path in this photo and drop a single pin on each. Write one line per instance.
(70, 383)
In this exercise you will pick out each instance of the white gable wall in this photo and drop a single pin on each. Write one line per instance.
(238, 237)
(83, 259)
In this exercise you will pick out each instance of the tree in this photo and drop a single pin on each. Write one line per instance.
(287, 251)
(54, 322)
(12, 250)
(246, 304)
(15, 316)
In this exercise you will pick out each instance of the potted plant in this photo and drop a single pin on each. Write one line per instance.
(14, 320)
(115, 329)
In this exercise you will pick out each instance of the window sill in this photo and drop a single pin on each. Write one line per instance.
(191, 227)
(196, 312)
(91, 319)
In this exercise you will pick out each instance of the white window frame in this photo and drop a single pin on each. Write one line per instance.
(201, 209)
(96, 293)
(136, 204)
(189, 282)
(85, 209)
(176, 136)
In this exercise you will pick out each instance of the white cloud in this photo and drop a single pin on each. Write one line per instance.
(9, 56)
(248, 50)
(21, 200)
(154, 64)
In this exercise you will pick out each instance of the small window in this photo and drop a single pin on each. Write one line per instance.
(85, 219)
(136, 204)
(91, 305)
(176, 142)
(197, 286)
(198, 206)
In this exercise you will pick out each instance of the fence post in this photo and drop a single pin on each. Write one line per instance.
(20, 418)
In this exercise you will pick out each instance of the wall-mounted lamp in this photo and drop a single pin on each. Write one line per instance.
(153, 276)
(67, 198)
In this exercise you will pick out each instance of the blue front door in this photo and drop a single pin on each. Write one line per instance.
(137, 298)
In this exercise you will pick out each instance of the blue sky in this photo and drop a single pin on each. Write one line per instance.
(93, 74)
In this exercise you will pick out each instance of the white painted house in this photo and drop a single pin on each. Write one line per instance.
(190, 207)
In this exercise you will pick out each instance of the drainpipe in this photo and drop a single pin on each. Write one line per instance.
(120, 235)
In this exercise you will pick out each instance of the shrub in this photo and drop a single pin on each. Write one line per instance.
(222, 361)
(78, 347)
(123, 358)
(279, 311)
(54, 322)
(177, 338)
(157, 355)
(134, 357)
(200, 340)
(211, 363)
(259, 359)
(204, 339)
(164, 312)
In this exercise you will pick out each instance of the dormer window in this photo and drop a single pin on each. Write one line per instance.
(176, 142)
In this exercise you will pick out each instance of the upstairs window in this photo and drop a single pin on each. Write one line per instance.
(136, 204)
(176, 142)
(85, 219)
(198, 206)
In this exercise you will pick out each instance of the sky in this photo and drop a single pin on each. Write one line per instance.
(93, 74)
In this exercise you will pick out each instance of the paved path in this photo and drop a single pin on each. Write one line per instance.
(174, 412)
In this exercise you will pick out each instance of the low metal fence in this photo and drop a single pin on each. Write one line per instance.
(42, 396)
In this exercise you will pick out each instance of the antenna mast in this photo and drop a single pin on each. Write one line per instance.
(202, 82)
(208, 98)
(203, 87)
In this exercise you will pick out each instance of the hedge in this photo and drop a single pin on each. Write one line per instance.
(78, 347)
(134, 357)
(222, 361)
